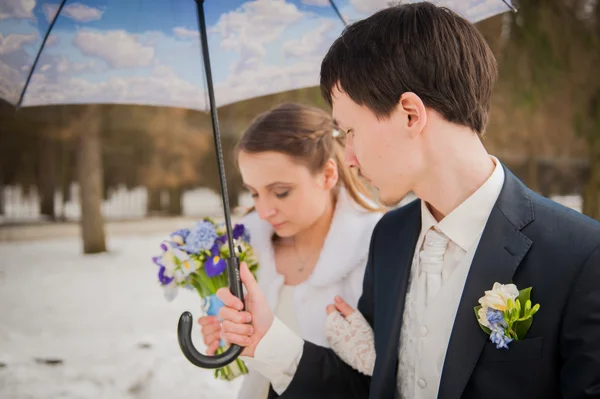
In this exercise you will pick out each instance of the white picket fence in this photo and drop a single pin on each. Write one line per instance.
(122, 204)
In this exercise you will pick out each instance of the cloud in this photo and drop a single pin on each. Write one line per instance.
(118, 48)
(14, 42)
(320, 3)
(16, 9)
(51, 41)
(76, 11)
(249, 28)
(161, 87)
(314, 43)
(185, 33)
(267, 79)
(368, 7)
(11, 81)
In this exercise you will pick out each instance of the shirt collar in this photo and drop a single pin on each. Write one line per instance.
(466, 222)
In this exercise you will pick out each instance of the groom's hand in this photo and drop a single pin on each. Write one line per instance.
(245, 328)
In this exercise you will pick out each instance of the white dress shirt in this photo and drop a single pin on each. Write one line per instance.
(426, 327)
(423, 341)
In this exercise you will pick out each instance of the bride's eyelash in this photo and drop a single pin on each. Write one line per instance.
(282, 195)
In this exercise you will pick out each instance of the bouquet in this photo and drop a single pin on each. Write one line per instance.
(195, 259)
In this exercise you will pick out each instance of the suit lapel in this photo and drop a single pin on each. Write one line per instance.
(500, 251)
(391, 293)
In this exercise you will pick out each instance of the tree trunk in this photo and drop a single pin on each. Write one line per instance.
(90, 184)
(65, 177)
(175, 201)
(591, 196)
(154, 203)
(2, 211)
(47, 176)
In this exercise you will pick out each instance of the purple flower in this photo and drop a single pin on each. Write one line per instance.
(164, 280)
(239, 231)
(215, 265)
(157, 260)
(222, 239)
(201, 238)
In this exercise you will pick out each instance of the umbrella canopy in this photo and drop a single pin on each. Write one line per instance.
(148, 52)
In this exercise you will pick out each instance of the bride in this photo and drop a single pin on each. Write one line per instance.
(310, 228)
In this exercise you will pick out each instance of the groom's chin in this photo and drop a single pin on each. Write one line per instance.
(390, 201)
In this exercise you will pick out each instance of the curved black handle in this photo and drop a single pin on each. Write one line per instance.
(184, 328)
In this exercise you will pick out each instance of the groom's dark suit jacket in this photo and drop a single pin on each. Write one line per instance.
(528, 240)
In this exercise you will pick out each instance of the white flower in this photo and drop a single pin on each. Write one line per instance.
(177, 239)
(497, 298)
(168, 260)
(482, 317)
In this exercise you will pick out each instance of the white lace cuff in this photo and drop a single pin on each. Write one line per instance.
(352, 339)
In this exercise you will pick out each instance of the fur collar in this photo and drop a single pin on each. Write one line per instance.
(345, 247)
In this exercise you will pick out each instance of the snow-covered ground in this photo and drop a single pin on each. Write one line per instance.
(102, 316)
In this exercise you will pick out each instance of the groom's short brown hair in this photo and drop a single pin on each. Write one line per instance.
(421, 48)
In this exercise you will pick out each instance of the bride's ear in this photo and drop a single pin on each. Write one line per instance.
(331, 174)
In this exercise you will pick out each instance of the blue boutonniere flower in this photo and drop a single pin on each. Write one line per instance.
(505, 313)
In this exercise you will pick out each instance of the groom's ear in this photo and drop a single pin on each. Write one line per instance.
(413, 113)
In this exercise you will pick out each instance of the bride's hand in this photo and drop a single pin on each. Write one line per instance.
(350, 336)
(211, 333)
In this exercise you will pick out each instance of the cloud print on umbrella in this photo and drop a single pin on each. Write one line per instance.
(148, 52)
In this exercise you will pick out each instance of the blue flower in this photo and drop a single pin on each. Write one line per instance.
(499, 338)
(495, 317)
(215, 265)
(201, 238)
(180, 236)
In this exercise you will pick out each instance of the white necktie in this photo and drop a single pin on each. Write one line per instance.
(432, 261)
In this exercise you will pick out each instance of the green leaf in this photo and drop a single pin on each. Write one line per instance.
(524, 296)
(521, 327)
(484, 328)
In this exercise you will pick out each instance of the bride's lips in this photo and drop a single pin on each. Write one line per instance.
(277, 225)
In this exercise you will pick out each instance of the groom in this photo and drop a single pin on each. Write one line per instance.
(411, 86)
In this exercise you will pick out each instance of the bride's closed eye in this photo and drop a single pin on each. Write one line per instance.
(283, 194)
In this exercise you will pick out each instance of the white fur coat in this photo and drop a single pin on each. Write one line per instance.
(338, 271)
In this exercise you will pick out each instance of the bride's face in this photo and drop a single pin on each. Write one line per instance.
(286, 194)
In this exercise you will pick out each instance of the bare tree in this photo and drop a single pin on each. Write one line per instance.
(89, 161)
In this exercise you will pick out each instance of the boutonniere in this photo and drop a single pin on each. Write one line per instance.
(505, 313)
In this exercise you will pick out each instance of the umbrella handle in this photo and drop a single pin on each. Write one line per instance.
(184, 328)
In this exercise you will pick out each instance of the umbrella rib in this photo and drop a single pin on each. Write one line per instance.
(509, 5)
(337, 11)
(37, 57)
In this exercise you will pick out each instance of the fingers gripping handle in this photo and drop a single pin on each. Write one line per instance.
(184, 328)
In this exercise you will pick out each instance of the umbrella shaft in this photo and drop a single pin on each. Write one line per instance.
(215, 122)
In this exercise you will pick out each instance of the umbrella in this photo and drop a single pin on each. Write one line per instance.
(146, 52)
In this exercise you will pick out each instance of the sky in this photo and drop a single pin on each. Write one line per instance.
(148, 51)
